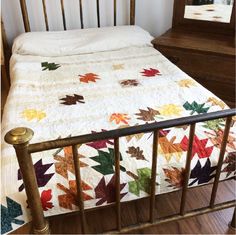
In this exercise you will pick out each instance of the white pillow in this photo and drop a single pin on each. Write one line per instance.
(81, 41)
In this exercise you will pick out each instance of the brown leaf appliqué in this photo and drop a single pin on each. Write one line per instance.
(71, 100)
(147, 115)
(136, 153)
(174, 176)
(129, 83)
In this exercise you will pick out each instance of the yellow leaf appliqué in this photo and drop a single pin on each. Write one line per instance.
(216, 102)
(31, 114)
(118, 66)
(186, 83)
(170, 110)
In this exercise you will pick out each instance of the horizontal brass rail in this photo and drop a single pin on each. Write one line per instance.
(60, 143)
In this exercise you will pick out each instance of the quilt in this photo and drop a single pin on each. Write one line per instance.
(79, 94)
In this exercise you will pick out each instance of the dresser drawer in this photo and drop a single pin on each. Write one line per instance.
(215, 72)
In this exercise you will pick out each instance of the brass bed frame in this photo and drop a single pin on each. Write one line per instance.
(20, 138)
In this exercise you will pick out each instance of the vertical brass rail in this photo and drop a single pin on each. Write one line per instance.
(79, 188)
(153, 174)
(81, 14)
(45, 14)
(19, 138)
(220, 161)
(132, 12)
(98, 13)
(187, 169)
(117, 182)
(25, 15)
(63, 14)
(115, 8)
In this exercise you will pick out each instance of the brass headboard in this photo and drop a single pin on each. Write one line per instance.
(27, 22)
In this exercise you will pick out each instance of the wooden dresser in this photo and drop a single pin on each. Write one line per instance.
(204, 49)
(207, 57)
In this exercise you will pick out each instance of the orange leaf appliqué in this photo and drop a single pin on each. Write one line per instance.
(89, 77)
(119, 117)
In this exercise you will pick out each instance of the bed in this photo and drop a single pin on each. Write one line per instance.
(211, 12)
(111, 120)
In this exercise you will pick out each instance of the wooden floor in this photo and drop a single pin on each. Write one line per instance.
(104, 219)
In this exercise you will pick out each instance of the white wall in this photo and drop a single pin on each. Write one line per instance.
(152, 15)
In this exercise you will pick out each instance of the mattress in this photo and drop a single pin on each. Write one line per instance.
(212, 12)
(70, 95)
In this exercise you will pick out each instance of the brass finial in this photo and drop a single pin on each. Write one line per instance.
(19, 135)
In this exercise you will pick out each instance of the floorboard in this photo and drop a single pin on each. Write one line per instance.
(134, 212)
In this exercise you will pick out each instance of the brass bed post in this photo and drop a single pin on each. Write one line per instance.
(132, 12)
(153, 175)
(25, 15)
(19, 138)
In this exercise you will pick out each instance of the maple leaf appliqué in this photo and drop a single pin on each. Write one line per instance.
(150, 72)
(49, 66)
(141, 182)
(129, 83)
(71, 100)
(148, 115)
(46, 197)
(101, 143)
(119, 117)
(66, 164)
(195, 107)
(70, 197)
(202, 174)
(9, 215)
(107, 162)
(40, 170)
(230, 160)
(199, 147)
(107, 193)
(89, 77)
(175, 176)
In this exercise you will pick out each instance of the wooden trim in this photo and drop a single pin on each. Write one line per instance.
(187, 169)
(115, 9)
(132, 12)
(25, 15)
(98, 13)
(63, 14)
(45, 15)
(81, 14)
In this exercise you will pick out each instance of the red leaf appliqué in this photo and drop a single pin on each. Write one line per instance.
(199, 147)
(151, 72)
(46, 197)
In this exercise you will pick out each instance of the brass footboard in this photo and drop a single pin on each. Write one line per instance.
(20, 138)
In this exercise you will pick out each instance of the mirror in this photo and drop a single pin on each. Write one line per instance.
(209, 10)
